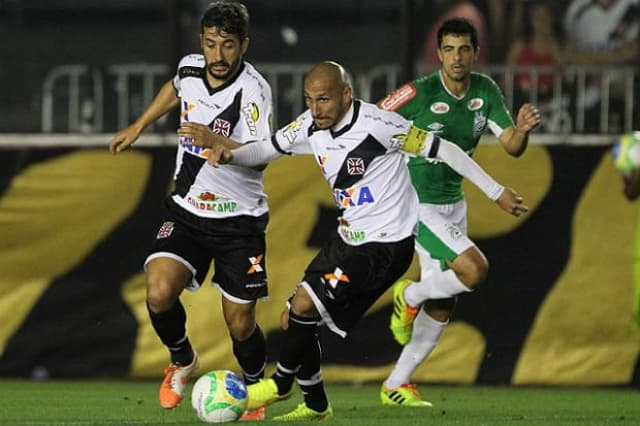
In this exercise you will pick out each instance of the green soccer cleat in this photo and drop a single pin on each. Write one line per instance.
(403, 315)
(302, 412)
(264, 393)
(403, 396)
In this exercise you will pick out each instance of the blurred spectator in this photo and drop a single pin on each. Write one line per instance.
(538, 44)
(603, 32)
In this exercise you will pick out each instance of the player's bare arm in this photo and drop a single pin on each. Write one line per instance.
(516, 138)
(164, 101)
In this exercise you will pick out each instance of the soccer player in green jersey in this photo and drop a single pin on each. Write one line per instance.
(459, 105)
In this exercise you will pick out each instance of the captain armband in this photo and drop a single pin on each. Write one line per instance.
(414, 141)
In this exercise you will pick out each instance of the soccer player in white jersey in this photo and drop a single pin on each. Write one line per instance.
(218, 214)
(457, 104)
(359, 149)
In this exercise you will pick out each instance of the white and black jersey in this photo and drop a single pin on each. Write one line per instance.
(239, 109)
(360, 159)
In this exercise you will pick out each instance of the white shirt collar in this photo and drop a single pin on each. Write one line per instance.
(346, 120)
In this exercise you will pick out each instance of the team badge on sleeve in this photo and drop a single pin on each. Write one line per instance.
(292, 130)
(252, 115)
(398, 97)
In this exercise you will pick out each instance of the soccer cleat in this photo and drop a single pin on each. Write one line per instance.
(404, 396)
(302, 412)
(175, 380)
(254, 415)
(403, 315)
(264, 393)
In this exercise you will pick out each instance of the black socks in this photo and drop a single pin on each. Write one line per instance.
(251, 354)
(170, 327)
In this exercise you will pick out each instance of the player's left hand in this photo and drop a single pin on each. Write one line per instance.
(219, 155)
(511, 202)
(196, 134)
(528, 118)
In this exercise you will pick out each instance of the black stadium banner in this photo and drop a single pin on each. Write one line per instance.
(76, 224)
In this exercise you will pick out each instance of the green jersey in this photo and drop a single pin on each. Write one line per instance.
(461, 120)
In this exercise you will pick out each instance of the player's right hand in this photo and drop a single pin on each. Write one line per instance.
(124, 138)
(511, 202)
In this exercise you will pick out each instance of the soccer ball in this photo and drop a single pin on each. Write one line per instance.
(219, 396)
(626, 152)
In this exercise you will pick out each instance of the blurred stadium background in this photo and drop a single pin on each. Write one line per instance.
(75, 222)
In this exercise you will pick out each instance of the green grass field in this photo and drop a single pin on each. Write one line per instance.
(134, 402)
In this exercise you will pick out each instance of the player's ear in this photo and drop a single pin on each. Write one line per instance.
(476, 55)
(244, 45)
(347, 93)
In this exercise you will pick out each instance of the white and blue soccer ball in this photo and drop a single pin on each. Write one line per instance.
(219, 396)
(626, 152)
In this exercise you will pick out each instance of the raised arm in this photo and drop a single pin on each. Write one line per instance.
(515, 139)
(164, 101)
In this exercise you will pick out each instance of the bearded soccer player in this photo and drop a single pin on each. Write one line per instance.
(213, 213)
(360, 151)
(459, 105)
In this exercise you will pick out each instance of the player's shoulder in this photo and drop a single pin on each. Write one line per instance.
(192, 60)
(371, 115)
(428, 81)
(483, 81)
(253, 81)
(191, 65)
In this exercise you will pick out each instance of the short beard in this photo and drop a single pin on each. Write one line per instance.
(232, 70)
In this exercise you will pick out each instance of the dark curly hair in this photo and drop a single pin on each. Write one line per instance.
(458, 26)
(230, 17)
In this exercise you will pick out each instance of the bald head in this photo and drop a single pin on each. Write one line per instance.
(332, 72)
(327, 93)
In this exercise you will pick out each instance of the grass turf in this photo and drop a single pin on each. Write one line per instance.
(135, 402)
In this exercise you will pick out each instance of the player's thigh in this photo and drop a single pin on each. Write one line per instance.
(442, 233)
(176, 258)
(240, 268)
(344, 281)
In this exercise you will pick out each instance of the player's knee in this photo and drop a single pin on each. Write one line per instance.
(241, 323)
(161, 293)
(284, 319)
(302, 305)
(471, 267)
(476, 274)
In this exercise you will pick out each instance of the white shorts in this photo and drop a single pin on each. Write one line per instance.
(442, 234)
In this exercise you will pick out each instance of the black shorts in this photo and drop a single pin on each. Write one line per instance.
(344, 280)
(235, 244)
